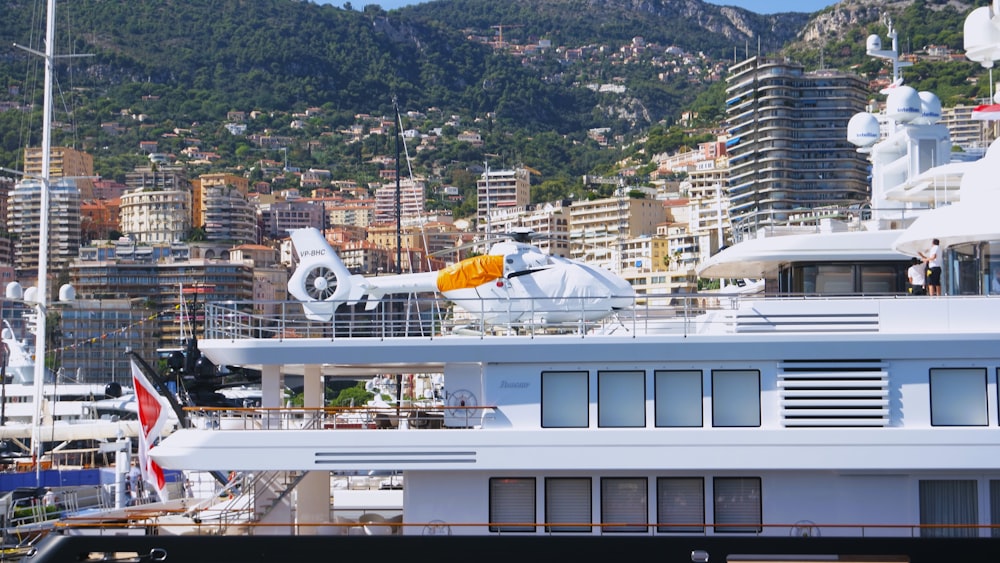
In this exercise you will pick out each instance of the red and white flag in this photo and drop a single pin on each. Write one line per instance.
(152, 417)
(986, 112)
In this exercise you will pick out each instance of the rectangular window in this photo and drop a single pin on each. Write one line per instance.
(737, 504)
(621, 399)
(735, 398)
(565, 399)
(624, 504)
(958, 397)
(512, 504)
(678, 398)
(995, 508)
(680, 504)
(948, 502)
(567, 505)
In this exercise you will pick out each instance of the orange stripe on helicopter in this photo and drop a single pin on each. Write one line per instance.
(470, 272)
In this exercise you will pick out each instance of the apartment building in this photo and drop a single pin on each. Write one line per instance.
(412, 199)
(598, 228)
(64, 162)
(968, 133)
(24, 204)
(202, 183)
(96, 335)
(500, 189)
(788, 146)
(156, 215)
(549, 223)
(170, 284)
(708, 206)
(227, 215)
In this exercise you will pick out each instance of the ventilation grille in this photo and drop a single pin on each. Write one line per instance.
(834, 394)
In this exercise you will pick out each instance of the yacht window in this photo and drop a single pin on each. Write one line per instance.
(958, 397)
(949, 502)
(678, 398)
(680, 504)
(995, 508)
(623, 504)
(961, 271)
(737, 504)
(621, 399)
(565, 399)
(735, 398)
(833, 279)
(512, 504)
(877, 279)
(568, 501)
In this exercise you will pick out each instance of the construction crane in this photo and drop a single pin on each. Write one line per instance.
(500, 28)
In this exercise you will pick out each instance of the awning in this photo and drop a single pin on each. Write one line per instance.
(759, 258)
(953, 224)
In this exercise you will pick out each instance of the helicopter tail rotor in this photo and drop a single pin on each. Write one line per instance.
(322, 281)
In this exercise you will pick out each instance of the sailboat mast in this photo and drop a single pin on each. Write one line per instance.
(43, 233)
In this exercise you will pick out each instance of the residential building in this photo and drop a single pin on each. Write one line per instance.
(24, 225)
(64, 162)
(708, 206)
(270, 277)
(968, 133)
(227, 215)
(788, 146)
(172, 286)
(548, 223)
(98, 218)
(156, 215)
(598, 228)
(293, 212)
(201, 183)
(499, 189)
(411, 201)
(95, 336)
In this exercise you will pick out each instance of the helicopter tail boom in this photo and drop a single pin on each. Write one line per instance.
(322, 282)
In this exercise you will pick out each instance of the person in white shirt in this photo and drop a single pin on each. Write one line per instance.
(916, 276)
(934, 262)
(995, 285)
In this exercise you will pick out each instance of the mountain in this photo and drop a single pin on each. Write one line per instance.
(690, 24)
(533, 76)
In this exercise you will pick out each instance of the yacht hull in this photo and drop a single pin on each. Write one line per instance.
(265, 548)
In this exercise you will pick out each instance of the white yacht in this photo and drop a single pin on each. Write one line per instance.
(843, 423)
(67, 417)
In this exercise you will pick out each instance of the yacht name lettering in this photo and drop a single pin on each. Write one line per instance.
(514, 384)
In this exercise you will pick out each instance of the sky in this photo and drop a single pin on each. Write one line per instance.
(758, 6)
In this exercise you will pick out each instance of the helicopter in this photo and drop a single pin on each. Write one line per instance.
(515, 282)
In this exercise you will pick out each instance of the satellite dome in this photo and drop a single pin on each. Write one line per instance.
(874, 43)
(930, 109)
(903, 104)
(981, 37)
(863, 130)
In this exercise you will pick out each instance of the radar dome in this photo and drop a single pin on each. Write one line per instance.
(863, 130)
(981, 37)
(930, 109)
(903, 104)
(874, 43)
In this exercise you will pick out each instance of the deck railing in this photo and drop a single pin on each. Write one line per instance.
(433, 317)
(421, 415)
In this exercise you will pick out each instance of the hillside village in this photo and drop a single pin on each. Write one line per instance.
(194, 222)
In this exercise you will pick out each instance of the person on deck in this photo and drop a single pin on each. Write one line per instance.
(915, 274)
(934, 262)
